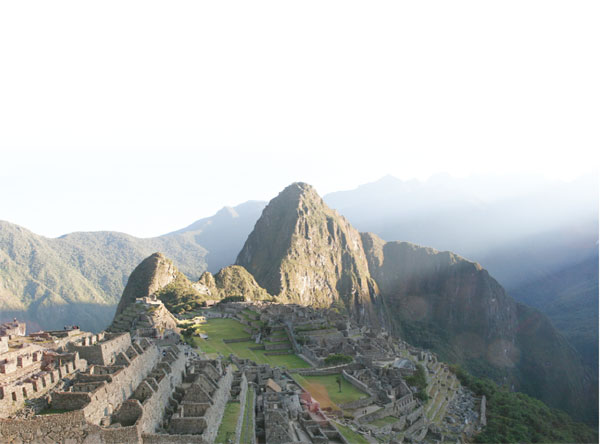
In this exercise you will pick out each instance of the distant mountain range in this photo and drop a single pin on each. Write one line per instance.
(79, 277)
(539, 238)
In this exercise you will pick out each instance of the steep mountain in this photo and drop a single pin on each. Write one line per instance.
(445, 302)
(79, 277)
(303, 252)
(535, 236)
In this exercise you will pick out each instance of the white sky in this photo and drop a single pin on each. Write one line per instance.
(145, 116)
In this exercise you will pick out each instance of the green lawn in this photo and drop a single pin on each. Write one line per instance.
(350, 435)
(228, 423)
(219, 329)
(325, 389)
(248, 424)
(384, 421)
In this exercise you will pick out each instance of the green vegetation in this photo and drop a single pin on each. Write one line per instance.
(232, 299)
(226, 432)
(515, 417)
(351, 435)
(51, 411)
(326, 391)
(419, 380)
(569, 297)
(180, 296)
(384, 421)
(234, 284)
(219, 329)
(338, 359)
(248, 424)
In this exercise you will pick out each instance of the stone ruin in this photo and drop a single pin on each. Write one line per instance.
(379, 367)
(285, 413)
(73, 387)
(109, 388)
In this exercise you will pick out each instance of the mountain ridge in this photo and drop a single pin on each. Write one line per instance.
(50, 282)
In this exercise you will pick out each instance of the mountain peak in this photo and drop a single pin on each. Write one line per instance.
(304, 252)
(153, 273)
(298, 191)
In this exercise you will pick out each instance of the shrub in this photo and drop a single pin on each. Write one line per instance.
(338, 359)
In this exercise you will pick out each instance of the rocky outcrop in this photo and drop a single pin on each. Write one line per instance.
(152, 274)
(144, 319)
(303, 252)
(231, 281)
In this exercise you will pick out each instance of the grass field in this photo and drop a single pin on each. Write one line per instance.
(248, 424)
(350, 435)
(228, 423)
(325, 389)
(384, 421)
(219, 329)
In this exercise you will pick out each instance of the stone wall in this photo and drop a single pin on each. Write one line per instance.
(329, 370)
(34, 382)
(356, 383)
(155, 438)
(359, 403)
(3, 344)
(482, 417)
(120, 386)
(56, 428)
(105, 352)
(155, 405)
(220, 397)
(242, 398)
(136, 417)
(312, 358)
(278, 346)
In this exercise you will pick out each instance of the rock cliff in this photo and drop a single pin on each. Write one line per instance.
(303, 252)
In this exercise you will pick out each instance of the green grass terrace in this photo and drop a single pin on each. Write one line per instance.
(219, 329)
(326, 391)
(228, 423)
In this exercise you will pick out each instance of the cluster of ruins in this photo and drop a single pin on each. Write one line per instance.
(144, 385)
(379, 367)
(74, 387)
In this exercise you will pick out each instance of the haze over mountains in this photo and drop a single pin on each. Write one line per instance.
(301, 251)
(538, 237)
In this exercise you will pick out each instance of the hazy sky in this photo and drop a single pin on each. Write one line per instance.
(145, 116)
